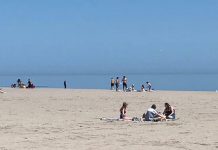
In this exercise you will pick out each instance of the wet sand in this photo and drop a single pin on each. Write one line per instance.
(48, 119)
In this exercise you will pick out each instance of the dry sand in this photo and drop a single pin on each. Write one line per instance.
(48, 119)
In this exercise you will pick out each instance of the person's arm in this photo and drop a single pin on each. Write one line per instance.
(172, 109)
(164, 111)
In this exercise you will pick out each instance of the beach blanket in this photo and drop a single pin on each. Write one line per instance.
(134, 119)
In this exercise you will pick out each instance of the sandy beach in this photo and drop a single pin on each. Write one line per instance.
(48, 119)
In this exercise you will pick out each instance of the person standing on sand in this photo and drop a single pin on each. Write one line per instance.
(1, 91)
(112, 83)
(124, 80)
(18, 82)
(148, 86)
(65, 84)
(117, 83)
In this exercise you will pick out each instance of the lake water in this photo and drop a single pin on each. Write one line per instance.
(185, 82)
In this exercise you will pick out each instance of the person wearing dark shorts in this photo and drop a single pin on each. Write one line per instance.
(124, 83)
(117, 84)
(112, 83)
(65, 84)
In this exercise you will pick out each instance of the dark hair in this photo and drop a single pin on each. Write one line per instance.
(167, 104)
(153, 106)
(117, 77)
(125, 104)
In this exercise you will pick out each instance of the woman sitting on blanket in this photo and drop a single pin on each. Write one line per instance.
(123, 111)
(169, 111)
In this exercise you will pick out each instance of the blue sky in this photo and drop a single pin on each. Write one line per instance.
(108, 36)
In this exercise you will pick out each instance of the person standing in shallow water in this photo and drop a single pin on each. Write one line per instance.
(65, 84)
(117, 83)
(124, 83)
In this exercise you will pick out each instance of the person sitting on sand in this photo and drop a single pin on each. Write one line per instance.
(123, 111)
(169, 111)
(142, 88)
(153, 115)
(13, 85)
(133, 88)
(1, 91)
(30, 84)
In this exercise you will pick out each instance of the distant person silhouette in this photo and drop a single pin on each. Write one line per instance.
(117, 83)
(112, 83)
(18, 82)
(65, 84)
(124, 80)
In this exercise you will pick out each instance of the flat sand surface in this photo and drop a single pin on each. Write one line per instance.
(50, 119)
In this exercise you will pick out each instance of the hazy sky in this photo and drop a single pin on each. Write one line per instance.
(108, 36)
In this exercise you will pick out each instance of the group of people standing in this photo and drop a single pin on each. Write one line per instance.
(151, 114)
(116, 83)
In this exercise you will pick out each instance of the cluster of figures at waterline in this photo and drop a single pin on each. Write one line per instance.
(115, 84)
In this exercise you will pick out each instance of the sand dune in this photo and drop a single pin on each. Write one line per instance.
(48, 119)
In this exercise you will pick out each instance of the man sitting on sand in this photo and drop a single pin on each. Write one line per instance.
(153, 115)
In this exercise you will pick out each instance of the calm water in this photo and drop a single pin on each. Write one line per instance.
(194, 82)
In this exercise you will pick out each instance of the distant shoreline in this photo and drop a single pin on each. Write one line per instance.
(106, 90)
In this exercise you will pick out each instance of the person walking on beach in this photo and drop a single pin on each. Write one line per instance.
(124, 80)
(112, 83)
(117, 83)
(65, 84)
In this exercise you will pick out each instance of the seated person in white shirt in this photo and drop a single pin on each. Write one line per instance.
(153, 115)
